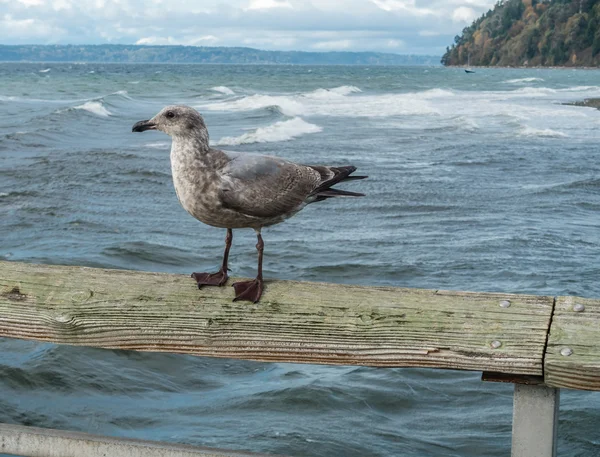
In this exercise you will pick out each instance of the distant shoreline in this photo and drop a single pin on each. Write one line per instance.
(147, 54)
(100, 62)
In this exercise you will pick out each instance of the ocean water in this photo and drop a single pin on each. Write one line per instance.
(484, 182)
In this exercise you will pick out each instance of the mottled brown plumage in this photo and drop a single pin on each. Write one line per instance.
(238, 190)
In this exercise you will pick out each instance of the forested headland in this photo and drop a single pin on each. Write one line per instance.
(531, 33)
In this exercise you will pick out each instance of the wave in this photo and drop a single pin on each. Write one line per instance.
(118, 94)
(338, 101)
(522, 80)
(336, 92)
(435, 93)
(223, 89)
(280, 131)
(45, 70)
(548, 133)
(15, 193)
(122, 93)
(579, 89)
(534, 91)
(287, 105)
(158, 145)
(96, 108)
(136, 252)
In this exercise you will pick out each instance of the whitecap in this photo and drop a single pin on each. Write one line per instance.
(122, 93)
(279, 131)
(548, 133)
(95, 108)
(287, 105)
(534, 91)
(158, 145)
(322, 94)
(436, 92)
(467, 123)
(327, 103)
(580, 89)
(45, 70)
(223, 89)
(522, 80)
(336, 92)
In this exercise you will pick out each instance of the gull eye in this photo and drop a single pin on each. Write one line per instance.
(170, 114)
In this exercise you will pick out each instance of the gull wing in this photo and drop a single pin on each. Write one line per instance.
(264, 186)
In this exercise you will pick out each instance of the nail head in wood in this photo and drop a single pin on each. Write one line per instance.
(566, 352)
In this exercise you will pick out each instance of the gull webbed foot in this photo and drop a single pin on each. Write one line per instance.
(211, 279)
(248, 290)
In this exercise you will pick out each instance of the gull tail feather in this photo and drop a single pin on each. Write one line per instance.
(330, 193)
(332, 176)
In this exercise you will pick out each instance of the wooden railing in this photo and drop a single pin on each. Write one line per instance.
(539, 343)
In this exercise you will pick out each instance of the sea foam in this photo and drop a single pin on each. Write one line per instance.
(223, 89)
(279, 131)
(343, 101)
(287, 104)
(547, 133)
(522, 80)
(336, 92)
(95, 108)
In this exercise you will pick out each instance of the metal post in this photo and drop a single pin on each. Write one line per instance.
(535, 421)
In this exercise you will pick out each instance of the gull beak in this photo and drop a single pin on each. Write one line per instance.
(141, 126)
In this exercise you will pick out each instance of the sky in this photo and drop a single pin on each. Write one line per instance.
(397, 26)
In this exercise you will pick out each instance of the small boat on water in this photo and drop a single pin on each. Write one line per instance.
(468, 69)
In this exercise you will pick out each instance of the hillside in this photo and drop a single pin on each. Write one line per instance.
(200, 54)
(531, 33)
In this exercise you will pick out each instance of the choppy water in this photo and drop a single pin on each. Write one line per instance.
(477, 182)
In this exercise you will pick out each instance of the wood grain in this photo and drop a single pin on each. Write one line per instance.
(294, 322)
(579, 332)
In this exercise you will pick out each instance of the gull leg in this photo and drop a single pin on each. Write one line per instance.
(252, 290)
(220, 277)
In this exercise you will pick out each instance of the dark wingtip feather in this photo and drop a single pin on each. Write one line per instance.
(352, 178)
(338, 193)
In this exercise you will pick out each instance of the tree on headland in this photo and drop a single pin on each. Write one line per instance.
(531, 33)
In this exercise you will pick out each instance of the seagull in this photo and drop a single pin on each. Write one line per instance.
(234, 190)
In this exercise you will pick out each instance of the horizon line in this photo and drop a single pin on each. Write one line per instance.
(221, 47)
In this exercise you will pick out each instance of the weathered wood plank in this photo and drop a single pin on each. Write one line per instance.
(294, 322)
(41, 442)
(573, 354)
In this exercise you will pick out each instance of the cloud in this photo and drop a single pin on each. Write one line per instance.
(429, 33)
(404, 6)
(407, 26)
(33, 27)
(464, 14)
(205, 40)
(267, 4)
(335, 45)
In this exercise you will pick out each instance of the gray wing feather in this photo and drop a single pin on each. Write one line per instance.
(264, 186)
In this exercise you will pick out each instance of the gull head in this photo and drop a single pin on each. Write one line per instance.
(177, 121)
